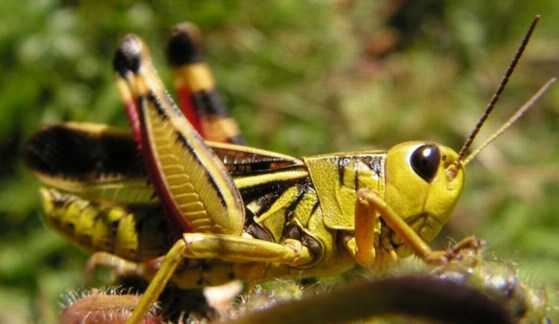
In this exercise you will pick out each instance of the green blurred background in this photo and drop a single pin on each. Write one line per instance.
(302, 77)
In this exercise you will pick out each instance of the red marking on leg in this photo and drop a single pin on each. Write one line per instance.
(188, 108)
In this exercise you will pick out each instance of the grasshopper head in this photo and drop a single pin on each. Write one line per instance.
(421, 187)
(424, 180)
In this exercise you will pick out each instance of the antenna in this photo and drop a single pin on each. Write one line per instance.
(525, 107)
(453, 168)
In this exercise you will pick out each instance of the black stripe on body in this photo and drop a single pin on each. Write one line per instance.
(267, 194)
(156, 101)
(302, 190)
(342, 164)
(315, 207)
(294, 229)
(209, 103)
(245, 163)
(154, 236)
(69, 153)
(69, 212)
(259, 167)
(211, 111)
(375, 163)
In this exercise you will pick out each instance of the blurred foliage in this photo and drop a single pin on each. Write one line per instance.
(302, 77)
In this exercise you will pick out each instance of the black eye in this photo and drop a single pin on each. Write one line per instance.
(425, 161)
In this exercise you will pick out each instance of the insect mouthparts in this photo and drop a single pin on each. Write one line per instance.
(451, 172)
(128, 56)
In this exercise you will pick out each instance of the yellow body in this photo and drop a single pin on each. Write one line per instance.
(233, 211)
(316, 202)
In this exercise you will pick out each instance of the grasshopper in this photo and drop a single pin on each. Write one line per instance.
(168, 204)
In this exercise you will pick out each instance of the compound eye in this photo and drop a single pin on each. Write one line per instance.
(425, 161)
